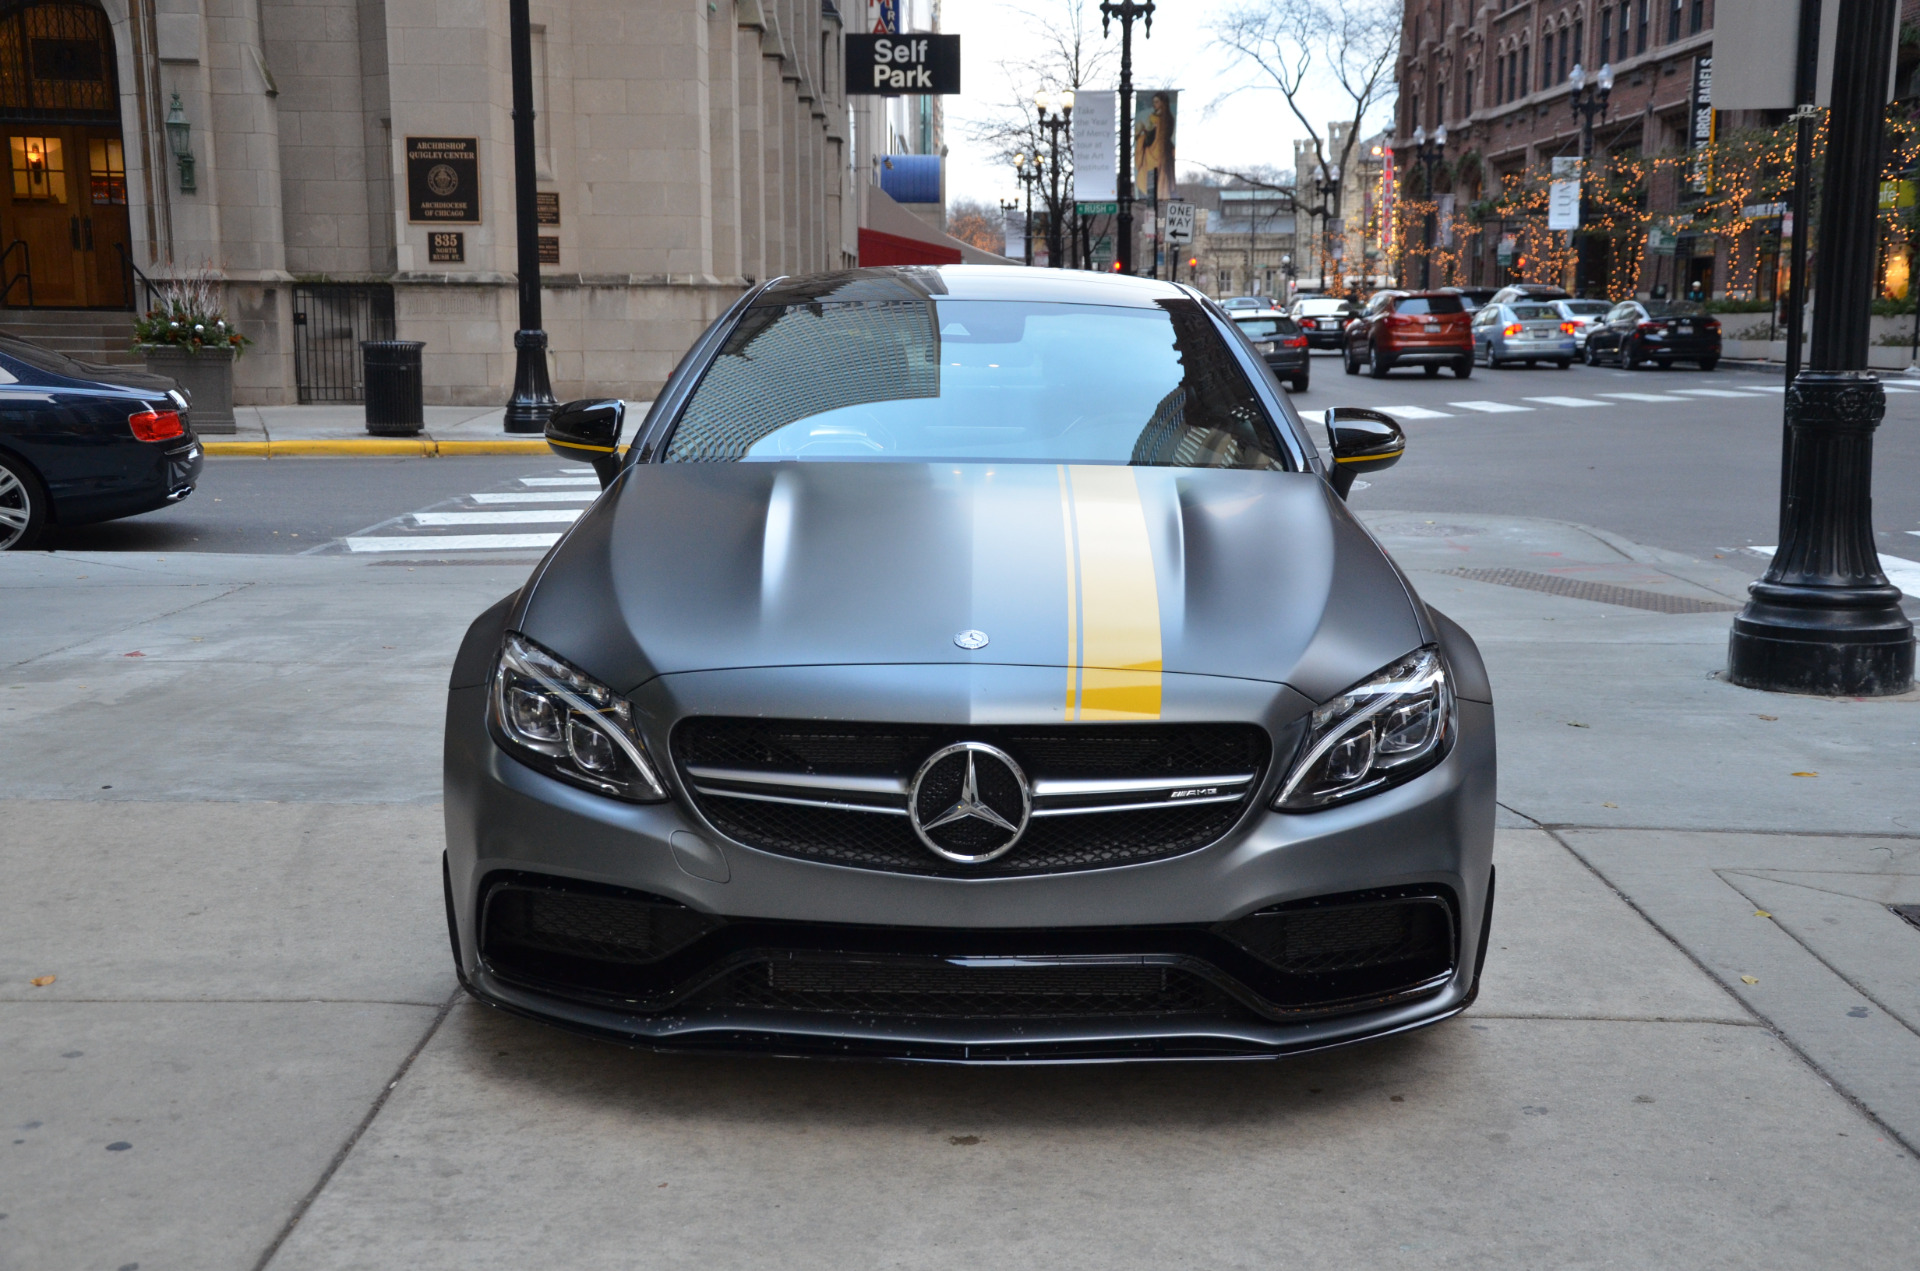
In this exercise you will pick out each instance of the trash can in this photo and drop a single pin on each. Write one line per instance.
(395, 404)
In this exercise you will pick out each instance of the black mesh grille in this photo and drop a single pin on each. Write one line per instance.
(607, 927)
(1050, 844)
(931, 990)
(1317, 941)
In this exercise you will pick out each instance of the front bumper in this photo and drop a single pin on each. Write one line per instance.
(1432, 836)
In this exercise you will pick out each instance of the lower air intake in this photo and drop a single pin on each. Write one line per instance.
(931, 990)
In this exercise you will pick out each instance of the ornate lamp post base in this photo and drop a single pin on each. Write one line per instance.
(1824, 619)
(532, 401)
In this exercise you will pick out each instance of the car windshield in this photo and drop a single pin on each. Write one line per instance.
(978, 381)
(1417, 305)
(1584, 308)
(1533, 313)
(1674, 309)
(1266, 327)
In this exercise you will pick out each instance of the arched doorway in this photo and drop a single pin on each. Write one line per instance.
(63, 224)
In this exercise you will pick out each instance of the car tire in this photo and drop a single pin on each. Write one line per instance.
(1532, 364)
(1430, 372)
(1377, 366)
(1347, 363)
(1463, 368)
(1708, 363)
(23, 505)
(1563, 364)
(1629, 356)
(1298, 383)
(1593, 354)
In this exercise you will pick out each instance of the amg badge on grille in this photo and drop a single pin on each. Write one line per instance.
(971, 639)
(970, 802)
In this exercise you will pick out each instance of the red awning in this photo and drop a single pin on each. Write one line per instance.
(877, 247)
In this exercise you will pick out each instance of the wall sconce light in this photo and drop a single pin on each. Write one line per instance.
(179, 140)
(36, 164)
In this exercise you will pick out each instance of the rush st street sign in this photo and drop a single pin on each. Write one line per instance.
(890, 65)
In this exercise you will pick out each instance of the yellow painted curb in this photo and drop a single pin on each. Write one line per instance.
(387, 447)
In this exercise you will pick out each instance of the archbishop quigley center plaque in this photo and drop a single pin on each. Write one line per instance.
(443, 180)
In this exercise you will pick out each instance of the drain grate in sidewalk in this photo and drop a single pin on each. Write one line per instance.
(1601, 593)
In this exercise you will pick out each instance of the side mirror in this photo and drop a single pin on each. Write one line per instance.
(589, 430)
(1363, 441)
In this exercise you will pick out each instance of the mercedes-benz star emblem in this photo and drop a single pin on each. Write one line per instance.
(970, 802)
(971, 639)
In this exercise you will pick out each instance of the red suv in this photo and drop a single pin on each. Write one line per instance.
(1428, 329)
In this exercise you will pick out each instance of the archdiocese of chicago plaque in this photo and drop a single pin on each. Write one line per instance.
(443, 180)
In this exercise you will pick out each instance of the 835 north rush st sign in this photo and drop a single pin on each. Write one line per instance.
(915, 63)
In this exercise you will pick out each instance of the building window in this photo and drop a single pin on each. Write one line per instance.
(1469, 109)
(39, 170)
(1606, 36)
(1560, 66)
(1699, 16)
(1513, 75)
(1579, 39)
(1673, 21)
(1526, 80)
(107, 170)
(1440, 103)
(1640, 28)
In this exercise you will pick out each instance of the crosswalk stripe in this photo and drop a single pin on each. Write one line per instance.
(1713, 392)
(1490, 408)
(1414, 412)
(553, 481)
(450, 542)
(1566, 401)
(1891, 388)
(515, 516)
(529, 496)
(1644, 397)
(574, 472)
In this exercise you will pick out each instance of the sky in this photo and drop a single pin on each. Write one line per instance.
(1226, 119)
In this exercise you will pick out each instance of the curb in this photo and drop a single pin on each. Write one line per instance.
(384, 447)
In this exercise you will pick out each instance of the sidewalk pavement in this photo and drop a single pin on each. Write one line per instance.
(1698, 1041)
(341, 429)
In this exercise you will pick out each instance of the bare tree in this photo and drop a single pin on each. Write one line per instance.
(1299, 45)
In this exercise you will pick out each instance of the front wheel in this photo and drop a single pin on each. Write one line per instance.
(23, 505)
(1593, 354)
(1347, 362)
(1629, 356)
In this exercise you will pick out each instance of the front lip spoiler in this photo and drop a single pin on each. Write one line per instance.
(801, 1035)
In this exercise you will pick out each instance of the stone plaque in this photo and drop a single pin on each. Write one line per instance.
(546, 207)
(443, 180)
(447, 247)
(549, 250)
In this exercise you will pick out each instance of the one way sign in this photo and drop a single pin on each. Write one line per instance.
(890, 65)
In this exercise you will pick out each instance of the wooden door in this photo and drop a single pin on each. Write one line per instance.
(104, 236)
(66, 217)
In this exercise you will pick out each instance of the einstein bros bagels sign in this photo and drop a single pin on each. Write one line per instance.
(890, 65)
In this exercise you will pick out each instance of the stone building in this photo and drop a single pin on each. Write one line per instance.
(1342, 223)
(1244, 240)
(344, 169)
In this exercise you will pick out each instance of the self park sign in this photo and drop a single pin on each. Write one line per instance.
(891, 65)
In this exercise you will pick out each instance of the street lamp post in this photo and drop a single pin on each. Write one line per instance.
(1429, 151)
(1327, 183)
(1056, 116)
(1007, 208)
(1127, 11)
(532, 401)
(1027, 174)
(1589, 102)
(1824, 619)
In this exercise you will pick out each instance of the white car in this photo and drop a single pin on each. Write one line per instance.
(1584, 314)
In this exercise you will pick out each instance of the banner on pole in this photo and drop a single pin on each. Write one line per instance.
(1096, 146)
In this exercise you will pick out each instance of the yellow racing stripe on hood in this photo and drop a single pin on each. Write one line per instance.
(1110, 557)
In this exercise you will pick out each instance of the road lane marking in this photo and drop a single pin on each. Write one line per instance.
(1644, 397)
(516, 516)
(1902, 573)
(1891, 388)
(1713, 392)
(450, 542)
(529, 496)
(551, 481)
(1414, 412)
(1491, 408)
(1565, 401)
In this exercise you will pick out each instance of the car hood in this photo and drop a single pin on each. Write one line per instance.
(1122, 573)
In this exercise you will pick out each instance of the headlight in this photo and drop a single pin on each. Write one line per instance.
(561, 721)
(1384, 730)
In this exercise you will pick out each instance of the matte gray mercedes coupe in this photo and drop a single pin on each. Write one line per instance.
(971, 664)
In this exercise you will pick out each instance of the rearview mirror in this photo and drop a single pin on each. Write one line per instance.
(589, 430)
(1363, 441)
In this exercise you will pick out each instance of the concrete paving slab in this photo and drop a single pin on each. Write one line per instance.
(1504, 1143)
(1840, 998)
(222, 901)
(178, 1136)
(1566, 946)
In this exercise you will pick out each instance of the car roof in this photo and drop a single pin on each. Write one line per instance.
(1258, 313)
(969, 282)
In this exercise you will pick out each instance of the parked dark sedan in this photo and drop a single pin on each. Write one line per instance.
(1324, 318)
(975, 665)
(82, 443)
(1281, 343)
(1658, 331)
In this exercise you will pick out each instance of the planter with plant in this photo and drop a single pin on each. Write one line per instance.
(186, 337)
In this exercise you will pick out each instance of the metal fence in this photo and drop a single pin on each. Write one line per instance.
(329, 321)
